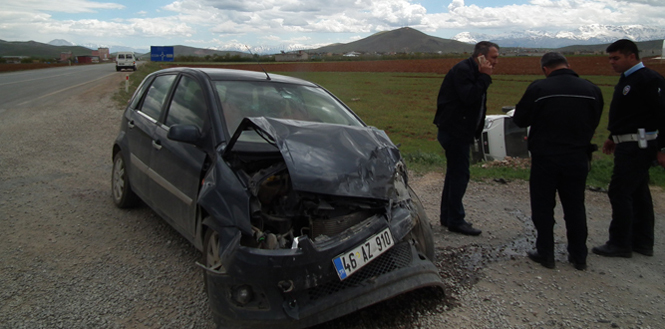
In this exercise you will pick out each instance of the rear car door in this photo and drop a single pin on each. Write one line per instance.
(141, 124)
(177, 167)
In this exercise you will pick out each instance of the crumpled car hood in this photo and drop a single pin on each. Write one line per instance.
(329, 158)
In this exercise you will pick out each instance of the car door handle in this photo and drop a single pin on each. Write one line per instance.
(131, 124)
(157, 144)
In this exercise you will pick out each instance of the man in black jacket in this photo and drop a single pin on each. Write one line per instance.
(637, 139)
(460, 117)
(563, 111)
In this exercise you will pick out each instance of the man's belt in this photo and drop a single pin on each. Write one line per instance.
(634, 137)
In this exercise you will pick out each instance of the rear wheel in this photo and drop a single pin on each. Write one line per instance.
(123, 196)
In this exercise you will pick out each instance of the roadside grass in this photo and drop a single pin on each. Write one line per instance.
(404, 104)
(122, 97)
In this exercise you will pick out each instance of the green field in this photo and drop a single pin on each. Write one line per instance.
(403, 104)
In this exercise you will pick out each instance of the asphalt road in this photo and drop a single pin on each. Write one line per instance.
(40, 87)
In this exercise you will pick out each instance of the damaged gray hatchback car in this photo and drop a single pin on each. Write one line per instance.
(302, 212)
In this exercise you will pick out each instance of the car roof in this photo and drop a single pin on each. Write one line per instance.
(217, 74)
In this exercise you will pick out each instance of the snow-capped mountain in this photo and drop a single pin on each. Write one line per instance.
(112, 49)
(588, 34)
(61, 42)
(262, 49)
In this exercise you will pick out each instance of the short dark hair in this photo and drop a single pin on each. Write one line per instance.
(552, 59)
(625, 47)
(483, 47)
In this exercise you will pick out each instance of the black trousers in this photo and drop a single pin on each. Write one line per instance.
(565, 174)
(632, 208)
(457, 178)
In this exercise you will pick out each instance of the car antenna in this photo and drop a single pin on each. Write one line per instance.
(259, 62)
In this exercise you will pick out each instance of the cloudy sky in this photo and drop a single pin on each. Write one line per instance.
(310, 23)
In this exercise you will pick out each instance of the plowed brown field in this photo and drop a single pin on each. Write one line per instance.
(584, 65)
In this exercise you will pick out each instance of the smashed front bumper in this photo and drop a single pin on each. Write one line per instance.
(300, 287)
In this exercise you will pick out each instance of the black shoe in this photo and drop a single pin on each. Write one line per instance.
(536, 257)
(444, 223)
(465, 229)
(643, 251)
(609, 250)
(578, 266)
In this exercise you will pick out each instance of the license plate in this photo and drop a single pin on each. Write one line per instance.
(353, 260)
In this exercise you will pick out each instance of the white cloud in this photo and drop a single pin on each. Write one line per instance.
(63, 6)
(317, 20)
(549, 14)
(660, 3)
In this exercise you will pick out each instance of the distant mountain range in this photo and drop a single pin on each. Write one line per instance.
(39, 50)
(57, 46)
(586, 35)
(402, 40)
(649, 40)
(112, 49)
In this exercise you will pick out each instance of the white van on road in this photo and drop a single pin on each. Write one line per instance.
(125, 60)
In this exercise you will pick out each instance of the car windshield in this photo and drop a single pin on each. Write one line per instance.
(242, 99)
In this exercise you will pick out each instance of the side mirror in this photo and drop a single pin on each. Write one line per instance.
(184, 133)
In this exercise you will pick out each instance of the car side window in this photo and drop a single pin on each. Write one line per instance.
(188, 106)
(138, 95)
(154, 99)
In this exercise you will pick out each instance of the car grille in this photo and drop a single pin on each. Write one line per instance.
(398, 257)
(334, 226)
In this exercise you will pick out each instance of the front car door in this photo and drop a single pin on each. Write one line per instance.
(177, 167)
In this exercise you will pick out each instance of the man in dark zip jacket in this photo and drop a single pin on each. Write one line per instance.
(460, 117)
(563, 111)
(637, 128)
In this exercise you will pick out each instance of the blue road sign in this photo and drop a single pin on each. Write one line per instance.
(161, 54)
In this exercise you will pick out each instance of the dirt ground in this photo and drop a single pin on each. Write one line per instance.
(513, 292)
(70, 259)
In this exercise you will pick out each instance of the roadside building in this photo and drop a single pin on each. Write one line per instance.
(87, 59)
(102, 53)
(13, 59)
(292, 56)
(65, 56)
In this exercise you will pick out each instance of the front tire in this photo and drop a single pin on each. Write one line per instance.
(422, 231)
(123, 196)
(211, 256)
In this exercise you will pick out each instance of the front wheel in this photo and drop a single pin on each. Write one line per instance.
(123, 196)
(211, 257)
(422, 231)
